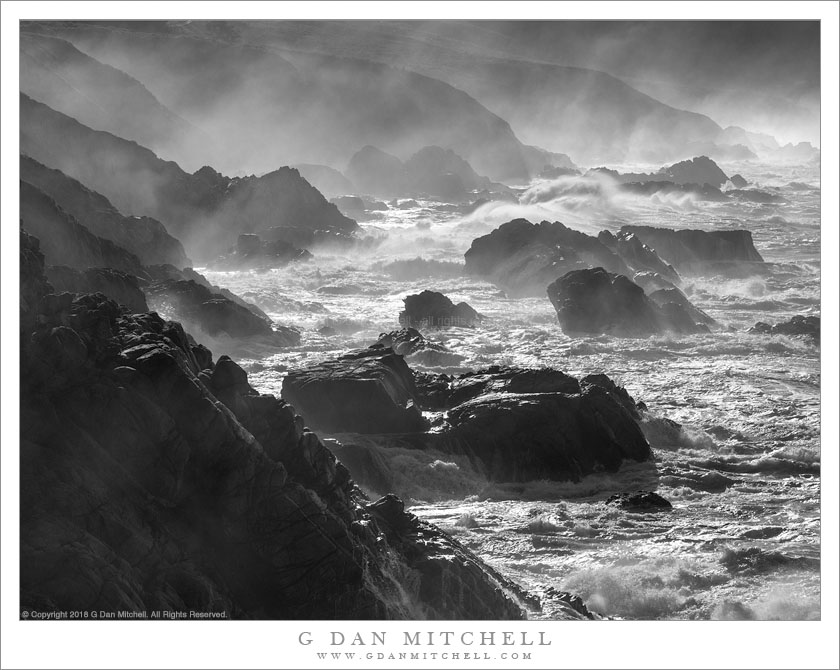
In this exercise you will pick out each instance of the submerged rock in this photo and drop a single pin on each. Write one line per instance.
(152, 478)
(640, 501)
(596, 301)
(431, 309)
(808, 326)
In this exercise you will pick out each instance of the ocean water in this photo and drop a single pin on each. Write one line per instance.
(743, 539)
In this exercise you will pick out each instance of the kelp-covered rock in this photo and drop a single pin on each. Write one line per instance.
(153, 479)
(595, 301)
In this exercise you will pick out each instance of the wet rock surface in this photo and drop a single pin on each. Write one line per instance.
(251, 252)
(410, 343)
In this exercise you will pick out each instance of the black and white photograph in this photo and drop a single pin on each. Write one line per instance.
(411, 339)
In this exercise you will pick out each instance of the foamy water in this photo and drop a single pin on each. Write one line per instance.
(743, 538)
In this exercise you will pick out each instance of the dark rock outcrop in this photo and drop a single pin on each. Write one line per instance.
(153, 479)
(523, 258)
(691, 251)
(430, 309)
(808, 326)
(370, 391)
(640, 501)
(143, 236)
(509, 424)
(119, 286)
(595, 301)
(516, 437)
(251, 252)
(665, 296)
(738, 181)
(64, 241)
(327, 180)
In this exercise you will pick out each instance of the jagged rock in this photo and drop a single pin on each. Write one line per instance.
(119, 286)
(597, 301)
(64, 241)
(371, 391)
(616, 392)
(640, 501)
(205, 210)
(796, 325)
(738, 181)
(143, 236)
(151, 479)
(410, 343)
(250, 252)
(523, 258)
(692, 251)
(431, 309)
(33, 284)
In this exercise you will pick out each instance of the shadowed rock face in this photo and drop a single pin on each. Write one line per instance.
(64, 241)
(143, 236)
(596, 301)
(640, 501)
(152, 478)
(697, 250)
(523, 258)
(431, 309)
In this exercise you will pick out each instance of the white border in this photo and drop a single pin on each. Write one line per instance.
(273, 644)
